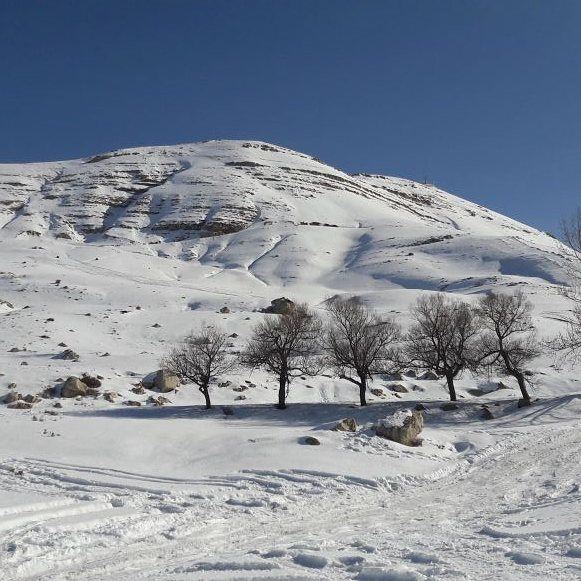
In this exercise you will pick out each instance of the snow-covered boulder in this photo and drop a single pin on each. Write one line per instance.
(403, 427)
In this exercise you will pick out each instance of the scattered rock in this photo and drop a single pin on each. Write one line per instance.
(310, 441)
(224, 310)
(58, 404)
(377, 392)
(346, 425)
(139, 390)
(73, 387)
(156, 325)
(92, 382)
(62, 345)
(92, 391)
(234, 335)
(11, 386)
(225, 384)
(410, 373)
(68, 355)
(110, 396)
(397, 388)
(15, 350)
(240, 397)
(448, 407)
(20, 405)
(11, 397)
(428, 375)
(403, 427)
(240, 388)
(30, 398)
(24, 363)
(158, 401)
(487, 414)
(132, 403)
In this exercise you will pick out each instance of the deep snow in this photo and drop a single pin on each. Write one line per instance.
(106, 491)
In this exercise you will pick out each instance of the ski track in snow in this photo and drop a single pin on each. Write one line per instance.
(471, 520)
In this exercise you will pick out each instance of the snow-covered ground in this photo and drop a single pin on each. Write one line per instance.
(101, 490)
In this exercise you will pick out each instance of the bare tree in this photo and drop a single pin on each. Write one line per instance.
(201, 357)
(508, 341)
(285, 345)
(568, 343)
(442, 338)
(360, 344)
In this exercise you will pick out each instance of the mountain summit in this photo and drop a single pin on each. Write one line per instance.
(278, 215)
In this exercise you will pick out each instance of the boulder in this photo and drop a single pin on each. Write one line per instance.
(410, 373)
(110, 396)
(397, 388)
(377, 392)
(428, 375)
(310, 441)
(11, 397)
(31, 398)
(73, 387)
(280, 306)
(89, 381)
(346, 425)
(403, 427)
(162, 381)
(20, 405)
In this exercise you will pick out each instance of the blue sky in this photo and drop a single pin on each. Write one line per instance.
(480, 97)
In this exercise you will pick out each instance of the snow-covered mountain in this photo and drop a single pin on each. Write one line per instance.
(118, 256)
(277, 215)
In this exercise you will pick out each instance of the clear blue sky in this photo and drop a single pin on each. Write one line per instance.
(482, 97)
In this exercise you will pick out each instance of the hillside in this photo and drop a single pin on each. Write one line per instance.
(118, 256)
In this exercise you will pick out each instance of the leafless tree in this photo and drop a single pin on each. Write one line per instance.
(201, 357)
(568, 343)
(442, 338)
(359, 343)
(285, 345)
(508, 341)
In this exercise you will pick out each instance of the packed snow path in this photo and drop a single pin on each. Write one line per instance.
(509, 511)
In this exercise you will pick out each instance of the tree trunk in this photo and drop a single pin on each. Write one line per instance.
(282, 391)
(363, 390)
(206, 394)
(522, 384)
(451, 387)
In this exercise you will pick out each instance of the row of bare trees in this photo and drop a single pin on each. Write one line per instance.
(448, 337)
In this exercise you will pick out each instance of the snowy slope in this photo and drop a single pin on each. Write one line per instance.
(119, 255)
